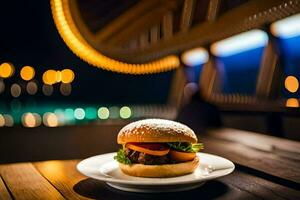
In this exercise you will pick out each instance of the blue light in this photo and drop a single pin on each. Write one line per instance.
(287, 28)
(195, 57)
(240, 43)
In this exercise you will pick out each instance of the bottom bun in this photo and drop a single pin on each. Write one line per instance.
(159, 171)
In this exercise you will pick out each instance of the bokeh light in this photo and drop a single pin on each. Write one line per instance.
(195, 57)
(125, 112)
(47, 89)
(67, 76)
(27, 73)
(65, 89)
(9, 120)
(291, 83)
(31, 120)
(79, 113)
(114, 112)
(31, 88)
(15, 90)
(292, 102)
(91, 113)
(50, 119)
(103, 113)
(2, 121)
(50, 77)
(6, 70)
(2, 86)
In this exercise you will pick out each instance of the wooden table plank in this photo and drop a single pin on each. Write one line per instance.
(259, 160)
(63, 175)
(25, 182)
(4, 194)
(259, 187)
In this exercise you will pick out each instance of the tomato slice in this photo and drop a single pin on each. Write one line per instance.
(182, 156)
(149, 148)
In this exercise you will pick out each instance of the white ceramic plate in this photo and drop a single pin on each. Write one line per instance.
(105, 168)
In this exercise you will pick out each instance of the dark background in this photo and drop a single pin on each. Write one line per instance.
(28, 36)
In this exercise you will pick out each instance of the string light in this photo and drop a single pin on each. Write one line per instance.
(50, 77)
(31, 120)
(6, 70)
(287, 28)
(75, 41)
(27, 73)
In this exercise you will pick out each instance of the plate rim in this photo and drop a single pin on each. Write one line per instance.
(151, 183)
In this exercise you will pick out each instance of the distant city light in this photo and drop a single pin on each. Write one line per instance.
(195, 57)
(79, 113)
(125, 112)
(27, 73)
(114, 112)
(47, 90)
(240, 43)
(292, 102)
(65, 89)
(6, 70)
(2, 121)
(31, 88)
(50, 77)
(31, 120)
(69, 113)
(9, 120)
(291, 83)
(15, 90)
(2, 86)
(91, 113)
(67, 76)
(50, 119)
(103, 113)
(287, 28)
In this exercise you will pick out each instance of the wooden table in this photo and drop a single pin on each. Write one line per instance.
(266, 168)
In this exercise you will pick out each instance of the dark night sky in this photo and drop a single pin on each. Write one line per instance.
(28, 36)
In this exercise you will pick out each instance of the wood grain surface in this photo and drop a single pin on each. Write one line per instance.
(259, 174)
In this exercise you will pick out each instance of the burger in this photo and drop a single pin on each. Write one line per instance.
(157, 148)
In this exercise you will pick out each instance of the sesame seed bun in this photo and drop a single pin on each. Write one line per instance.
(156, 130)
(160, 171)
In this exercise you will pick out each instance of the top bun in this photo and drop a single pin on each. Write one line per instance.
(156, 130)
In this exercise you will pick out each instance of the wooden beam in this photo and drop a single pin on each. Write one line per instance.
(154, 34)
(187, 15)
(167, 25)
(213, 10)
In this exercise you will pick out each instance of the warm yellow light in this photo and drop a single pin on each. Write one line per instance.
(9, 120)
(74, 40)
(67, 76)
(292, 102)
(6, 70)
(31, 120)
(27, 73)
(50, 119)
(291, 83)
(58, 76)
(2, 121)
(28, 120)
(50, 77)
